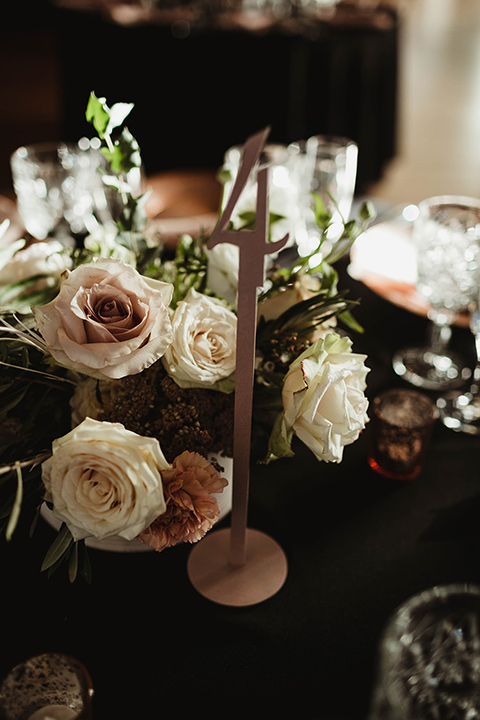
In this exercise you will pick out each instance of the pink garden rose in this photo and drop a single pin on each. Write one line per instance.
(107, 321)
(191, 510)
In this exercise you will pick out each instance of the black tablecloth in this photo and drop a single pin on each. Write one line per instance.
(357, 545)
(197, 95)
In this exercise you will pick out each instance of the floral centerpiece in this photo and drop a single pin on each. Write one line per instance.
(118, 370)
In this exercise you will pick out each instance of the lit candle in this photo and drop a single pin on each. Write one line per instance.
(54, 712)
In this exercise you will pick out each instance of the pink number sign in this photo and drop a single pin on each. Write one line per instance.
(253, 246)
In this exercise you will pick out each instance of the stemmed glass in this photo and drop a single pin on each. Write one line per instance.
(446, 236)
(460, 411)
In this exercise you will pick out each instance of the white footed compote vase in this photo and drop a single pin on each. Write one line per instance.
(459, 410)
(446, 237)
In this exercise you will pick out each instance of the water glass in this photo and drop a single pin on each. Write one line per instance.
(334, 171)
(429, 657)
(58, 188)
(283, 195)
(52, 686)
(325, 165)
(402, 424)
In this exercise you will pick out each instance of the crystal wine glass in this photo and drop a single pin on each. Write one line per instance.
(446, 236)
(58, 188)
(459, 410)
(429, 657)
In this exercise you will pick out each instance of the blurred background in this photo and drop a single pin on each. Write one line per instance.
(401, 78)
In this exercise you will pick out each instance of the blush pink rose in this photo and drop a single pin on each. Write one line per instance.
(191, 509)
(107, 321)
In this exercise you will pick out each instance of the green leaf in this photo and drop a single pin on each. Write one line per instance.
(85, 565)
(73, 563)
(323, 216)
(114, 158)
(279, 444)
(367, 211)
(60, 546)
(7, 252)
(15, 514)
(348, 320)
(97, 114)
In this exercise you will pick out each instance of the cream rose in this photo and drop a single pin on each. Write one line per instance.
(202, 353)
(47, 259)
(104, 480)
(323, 400)
(107, 320)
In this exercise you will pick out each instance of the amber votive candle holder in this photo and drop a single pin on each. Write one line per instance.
(402, 424)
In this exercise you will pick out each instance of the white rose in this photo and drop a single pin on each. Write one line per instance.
(222, 271)
(107, 321)
(104, 480)
(323, 400)
(39, 258)
(202, 353)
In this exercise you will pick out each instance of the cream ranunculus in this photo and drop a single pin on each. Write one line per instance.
(107, 320)
(323, 400)
(104, 480)
(202, 353)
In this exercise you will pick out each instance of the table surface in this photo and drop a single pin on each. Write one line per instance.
(357, 545)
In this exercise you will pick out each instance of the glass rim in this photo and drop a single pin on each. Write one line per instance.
(25, 152)
(410, 392)
(83, 675)
(398, 623)
(438, 592)
(339, 143)
(449, 201)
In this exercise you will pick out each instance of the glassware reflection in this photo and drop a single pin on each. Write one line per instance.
(325, 165)
(429, 657)
(460, 411)
(446, 237)
(58, 188)
(47, 686)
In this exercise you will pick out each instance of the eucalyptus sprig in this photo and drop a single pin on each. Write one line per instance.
(122, 155)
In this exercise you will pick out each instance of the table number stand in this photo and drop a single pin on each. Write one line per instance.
(241, 566)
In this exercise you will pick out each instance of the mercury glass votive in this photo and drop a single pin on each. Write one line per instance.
(402, 423)
(52, 686)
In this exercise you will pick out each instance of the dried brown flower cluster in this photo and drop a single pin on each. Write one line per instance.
(281, 349)
(153, 405)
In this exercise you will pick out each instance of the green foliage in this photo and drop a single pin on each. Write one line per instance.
(65, 549)
(122, 155)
